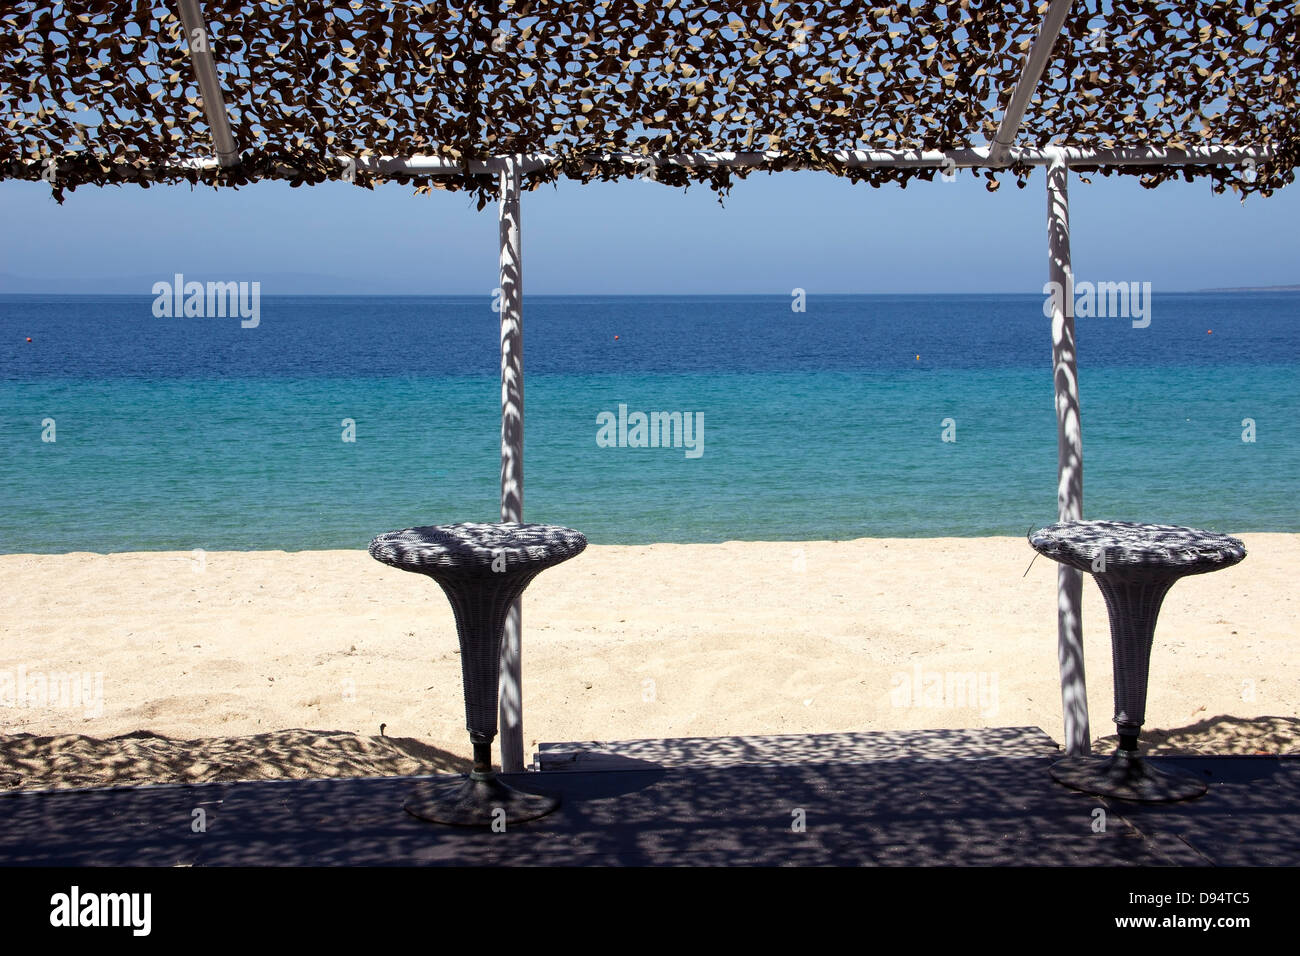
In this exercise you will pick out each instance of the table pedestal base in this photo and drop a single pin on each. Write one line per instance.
(474, 802)
(1126, 776)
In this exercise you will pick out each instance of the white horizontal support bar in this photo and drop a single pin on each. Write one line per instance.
(1145, 156)
(1030, 76)
(977, 157)
(974, 158)
(444, 166)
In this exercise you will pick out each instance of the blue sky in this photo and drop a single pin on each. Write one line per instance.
(806, 229)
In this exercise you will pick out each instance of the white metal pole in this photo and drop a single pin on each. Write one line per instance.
(512, 453)
(1030, 75)
(205, 73)
(1069, 463)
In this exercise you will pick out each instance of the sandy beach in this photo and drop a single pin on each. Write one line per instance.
(238, 665)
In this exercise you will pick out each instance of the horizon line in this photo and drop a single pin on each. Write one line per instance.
(596, 295)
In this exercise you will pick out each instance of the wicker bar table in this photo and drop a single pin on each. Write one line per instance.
(482, 568)
(1135, 565)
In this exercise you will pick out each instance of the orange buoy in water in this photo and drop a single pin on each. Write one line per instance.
(616, 338)
(1207, 332)
(918, 358)
(29, 338)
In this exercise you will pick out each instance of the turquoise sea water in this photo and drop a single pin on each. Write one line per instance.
(196, 433)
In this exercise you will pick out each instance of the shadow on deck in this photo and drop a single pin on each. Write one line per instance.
(974, 797)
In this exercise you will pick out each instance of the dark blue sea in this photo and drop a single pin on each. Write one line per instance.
(182, 433)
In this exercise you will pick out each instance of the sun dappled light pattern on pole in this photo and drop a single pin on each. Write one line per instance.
(512, 456)
(1069, 448)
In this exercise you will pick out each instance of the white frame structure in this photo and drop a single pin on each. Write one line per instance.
(1000, 153)
(1058, 160)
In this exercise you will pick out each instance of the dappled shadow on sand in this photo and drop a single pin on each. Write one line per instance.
(1219, 736)
(28, 762)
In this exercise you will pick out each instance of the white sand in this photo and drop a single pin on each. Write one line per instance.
(630, 642)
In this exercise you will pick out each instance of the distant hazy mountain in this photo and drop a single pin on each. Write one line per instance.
(293, 283)
(1258, 288)
(273, 283)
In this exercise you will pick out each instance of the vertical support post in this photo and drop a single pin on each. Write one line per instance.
(1069, 462)
(510, 688)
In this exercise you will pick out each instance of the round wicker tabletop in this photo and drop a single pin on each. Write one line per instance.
(473, 547)
(1126, 546)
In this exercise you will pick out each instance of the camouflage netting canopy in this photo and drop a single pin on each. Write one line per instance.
(104, 92)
